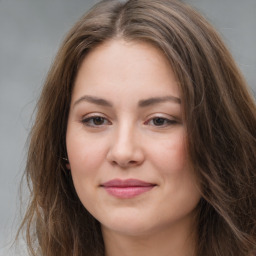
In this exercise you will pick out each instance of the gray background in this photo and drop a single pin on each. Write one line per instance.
(30, 33)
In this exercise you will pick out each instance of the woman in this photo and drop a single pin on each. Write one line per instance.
(144, 141)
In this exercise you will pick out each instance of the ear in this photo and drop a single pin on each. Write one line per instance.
(66, 163)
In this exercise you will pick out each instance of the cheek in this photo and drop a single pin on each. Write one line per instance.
(170, 155)
(177, 176)
(85, 160)
(86, 156)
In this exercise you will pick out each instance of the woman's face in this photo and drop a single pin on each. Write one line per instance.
(126, 140)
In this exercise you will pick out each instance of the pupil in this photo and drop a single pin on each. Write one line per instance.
(98, 120)
(158, 121)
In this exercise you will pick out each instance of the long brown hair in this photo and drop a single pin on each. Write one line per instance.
(220, 117)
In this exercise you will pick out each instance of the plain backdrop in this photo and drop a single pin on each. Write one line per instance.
(30, 34)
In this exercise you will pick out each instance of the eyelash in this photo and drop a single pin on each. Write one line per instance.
(91, 121)
(164, 122)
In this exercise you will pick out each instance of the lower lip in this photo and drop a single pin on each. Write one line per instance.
(127, 192)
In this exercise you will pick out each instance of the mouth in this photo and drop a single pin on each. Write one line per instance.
(127, 188)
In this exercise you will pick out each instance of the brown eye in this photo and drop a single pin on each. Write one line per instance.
(98, 120)
(161, 122)
(95, 121)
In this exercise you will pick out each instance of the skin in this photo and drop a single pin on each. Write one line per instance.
(132, 137)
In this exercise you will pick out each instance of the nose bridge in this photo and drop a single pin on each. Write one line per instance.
(125, 147)
(124, 140)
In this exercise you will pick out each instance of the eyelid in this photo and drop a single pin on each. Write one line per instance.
(90, 116)
(163, 115)
(171, 120)
(94, 114)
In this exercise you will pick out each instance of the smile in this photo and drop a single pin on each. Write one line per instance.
(127, 188)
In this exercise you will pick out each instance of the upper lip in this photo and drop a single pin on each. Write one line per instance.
(127, 183)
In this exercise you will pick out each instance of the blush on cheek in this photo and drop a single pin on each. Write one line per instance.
(172, 155)
(86, 161)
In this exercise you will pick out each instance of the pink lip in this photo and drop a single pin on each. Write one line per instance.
(127, 188)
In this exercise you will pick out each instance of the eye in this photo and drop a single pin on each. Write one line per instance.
(95, 121)
(161, 121)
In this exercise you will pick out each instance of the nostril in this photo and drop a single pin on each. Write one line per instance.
(124, 164)
(125, 156)
(114, 163)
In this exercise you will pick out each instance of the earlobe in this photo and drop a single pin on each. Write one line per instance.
(66, 163)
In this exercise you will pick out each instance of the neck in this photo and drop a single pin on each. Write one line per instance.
(170, 241)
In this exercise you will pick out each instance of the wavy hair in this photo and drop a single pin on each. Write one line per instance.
(220, 117)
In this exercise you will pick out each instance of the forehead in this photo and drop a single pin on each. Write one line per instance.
(131, 67)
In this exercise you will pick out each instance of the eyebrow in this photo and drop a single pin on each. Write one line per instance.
(157, 100)
(94, 100)
(142, 103)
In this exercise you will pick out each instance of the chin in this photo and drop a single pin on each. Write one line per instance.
(134, 230)
(130, 225)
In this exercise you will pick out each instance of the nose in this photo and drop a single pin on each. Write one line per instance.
(126, 150)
